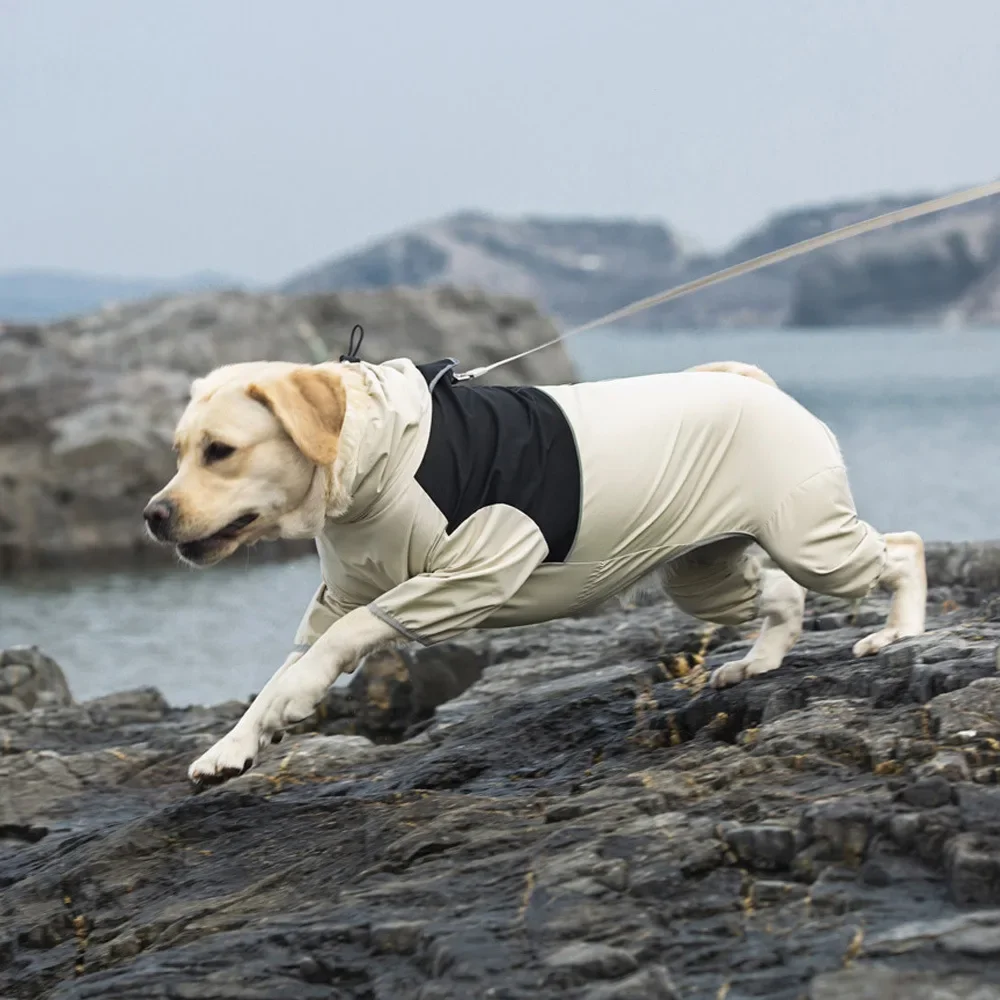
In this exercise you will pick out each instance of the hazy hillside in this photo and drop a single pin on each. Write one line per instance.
(573, 267)
(944, 268)
(43, 295)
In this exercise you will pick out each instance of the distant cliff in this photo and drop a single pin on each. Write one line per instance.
(572, 267)
(937, 270)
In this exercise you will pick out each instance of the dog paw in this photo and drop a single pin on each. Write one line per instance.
(728, 674)
(232, 756)
(739, 670)
(872, 644)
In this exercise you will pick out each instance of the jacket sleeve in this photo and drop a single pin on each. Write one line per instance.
(474, 571)
(326, 607)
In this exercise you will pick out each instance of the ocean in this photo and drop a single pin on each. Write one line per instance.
(917, 414)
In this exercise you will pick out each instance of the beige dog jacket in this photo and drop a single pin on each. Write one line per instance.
(513, 506)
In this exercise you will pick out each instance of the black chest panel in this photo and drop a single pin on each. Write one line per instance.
(501, 445)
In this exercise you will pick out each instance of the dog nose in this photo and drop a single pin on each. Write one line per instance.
(158, 515)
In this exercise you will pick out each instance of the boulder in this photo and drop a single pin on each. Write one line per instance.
(30, 679)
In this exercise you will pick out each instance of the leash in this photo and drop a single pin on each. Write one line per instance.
(755, 264)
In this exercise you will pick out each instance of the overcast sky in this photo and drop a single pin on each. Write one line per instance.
(257, 137)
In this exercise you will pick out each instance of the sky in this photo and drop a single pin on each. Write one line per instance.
(258, 137)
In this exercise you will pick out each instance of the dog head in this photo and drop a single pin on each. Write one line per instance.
(249, 444)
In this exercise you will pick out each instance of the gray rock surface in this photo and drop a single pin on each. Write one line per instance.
(30, 679)
(943, 269)
(586, 819)
(88, 406)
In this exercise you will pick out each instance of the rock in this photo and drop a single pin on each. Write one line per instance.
(128, 707)
(976, 934)
(652, 983)
(876, 983)
(88, 406)
(30, 679)
(973, 709)
(395, 689)
(838, 830)
(928, 793)
(763, 848)
(582, 818)
(39, 788)
(973, 861)
(398, 937)
(969, 565)
(577, 963)
(765, 891)
(947, 764)
(979, 808)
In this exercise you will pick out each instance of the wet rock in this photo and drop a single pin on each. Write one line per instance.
(652, 983)
(973, 709)
(581, 818)
(764, 892)
(839, 830)
(763, 848)
(979, 808)
(41, 786)
(876, 983)
(947, 764)
(30, 679)
(397, 689)
(928, 793)
(398, 937)
(975, 934)
(577, 963)
(973, 861)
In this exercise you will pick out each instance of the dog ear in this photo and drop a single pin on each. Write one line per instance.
(310, 404)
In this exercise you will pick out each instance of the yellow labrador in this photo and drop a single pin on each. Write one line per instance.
(438, 506)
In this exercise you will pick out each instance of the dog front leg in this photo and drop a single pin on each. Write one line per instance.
(292, 694)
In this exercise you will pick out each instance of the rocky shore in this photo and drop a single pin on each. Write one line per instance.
(559, 811)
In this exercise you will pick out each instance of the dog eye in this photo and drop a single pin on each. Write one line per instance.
(216, 451)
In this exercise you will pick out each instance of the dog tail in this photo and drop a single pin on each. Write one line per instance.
(736, 368)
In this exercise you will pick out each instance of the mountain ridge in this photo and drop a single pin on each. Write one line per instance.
(942, 269)
(939, 269)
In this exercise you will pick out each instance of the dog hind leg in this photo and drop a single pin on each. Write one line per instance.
(782, 605)
(726, 582)
(905, 576)
(818, 539)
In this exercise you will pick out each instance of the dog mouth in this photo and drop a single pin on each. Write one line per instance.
(200, 548)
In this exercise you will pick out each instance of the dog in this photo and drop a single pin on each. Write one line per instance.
(439, 506)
